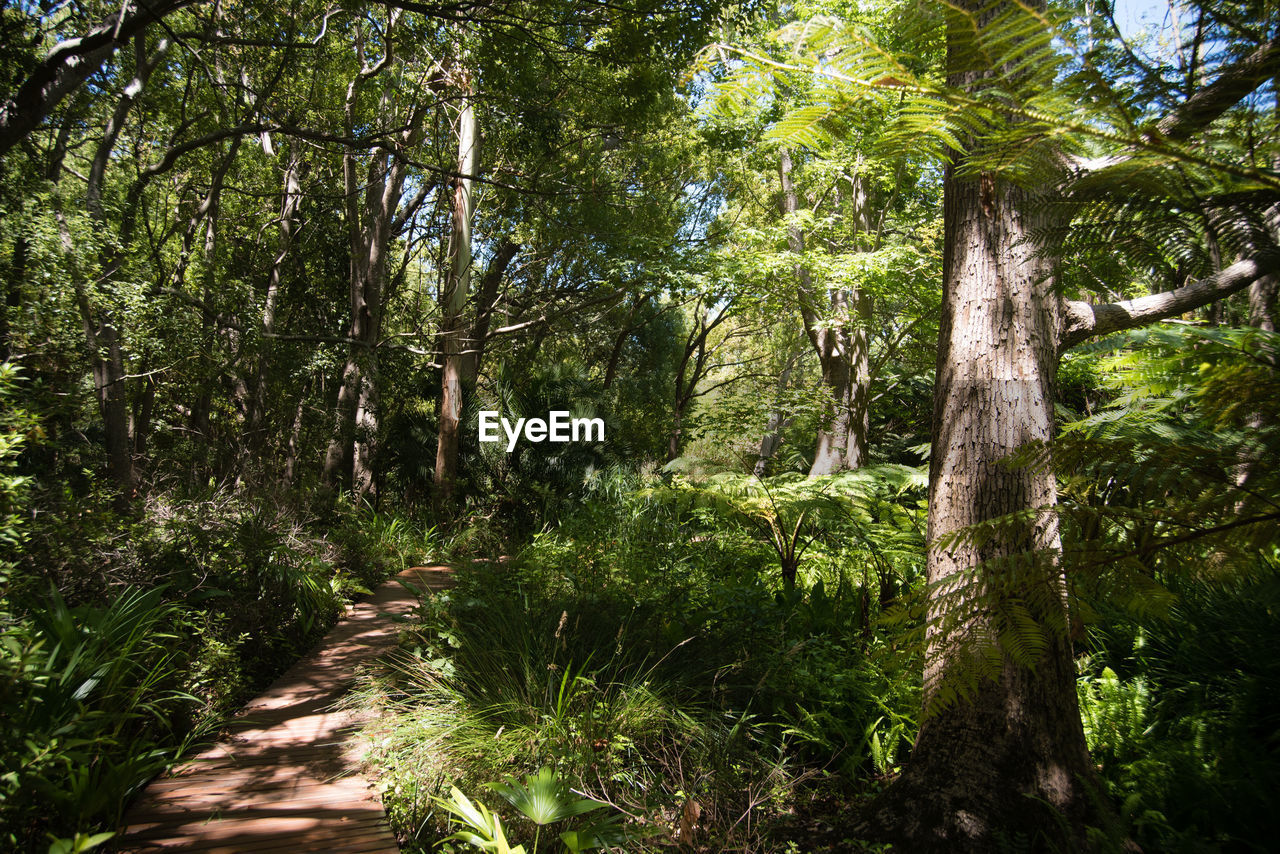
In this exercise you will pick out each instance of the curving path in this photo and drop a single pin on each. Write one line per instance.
(286, 779)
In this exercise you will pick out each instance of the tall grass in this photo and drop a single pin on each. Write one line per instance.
(526, 687)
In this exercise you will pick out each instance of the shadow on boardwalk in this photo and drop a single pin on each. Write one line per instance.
(286, 779)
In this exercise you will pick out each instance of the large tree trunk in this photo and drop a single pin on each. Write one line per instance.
(1001, 747)
(453, 326)
(1000, 758)
(1001, 742)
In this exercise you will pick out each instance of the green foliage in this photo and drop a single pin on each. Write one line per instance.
(640, 652)
(78, 843)
(533, 482)
(1169, 496)
(1172, 479)
(94, 708)
(1183, 727)
(484, 830)
(504, 684)
(16, 427)
(791, 513)
(544, 800)
(1167, 481)
(107, 682)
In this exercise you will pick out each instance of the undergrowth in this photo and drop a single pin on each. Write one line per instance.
(644, 652)
(127, 639)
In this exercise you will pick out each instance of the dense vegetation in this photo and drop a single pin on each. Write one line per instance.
(935, 346)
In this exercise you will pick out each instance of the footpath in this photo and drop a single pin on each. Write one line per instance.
(287, 778)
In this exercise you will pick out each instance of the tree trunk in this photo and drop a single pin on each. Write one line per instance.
(694, 366)
(627, 329)
(1000, 760)
(1262, 303)
(838, 448)
(676, 434)
(106, 362)
(455, 299)
(102, 337)
(108, 376)
(1001, 741)
(844, 352)
(486, 298)
(1001, 748)
(371, 219)
(144, 407)
(295, 436)
(363, 478)
(843, 347)
(291, 199)
(778, 422)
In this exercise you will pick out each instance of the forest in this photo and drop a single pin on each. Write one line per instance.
(850, 425)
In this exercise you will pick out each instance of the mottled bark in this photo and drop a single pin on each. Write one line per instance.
(1000, 746)
(1001, 750)
(1262, 303)
(372, 196)
(840, 339)
(453, 325)
(363, 472)
(1001, 756)
(845, 356)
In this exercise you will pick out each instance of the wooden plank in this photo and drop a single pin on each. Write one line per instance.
(258, 841)
(318, 793)
(282, 780)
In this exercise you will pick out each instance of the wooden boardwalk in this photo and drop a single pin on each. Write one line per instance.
(286, 780)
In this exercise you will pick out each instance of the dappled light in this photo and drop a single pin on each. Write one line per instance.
(534, 426)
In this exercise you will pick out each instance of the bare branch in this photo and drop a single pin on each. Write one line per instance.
(69, 64)
(1227, 90)
(1083, 321)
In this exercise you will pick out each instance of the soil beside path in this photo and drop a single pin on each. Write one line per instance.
(287, 779)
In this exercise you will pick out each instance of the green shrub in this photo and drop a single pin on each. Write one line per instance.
(508, 685)
(16, 426)
(1186, 738)
(93, 709)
